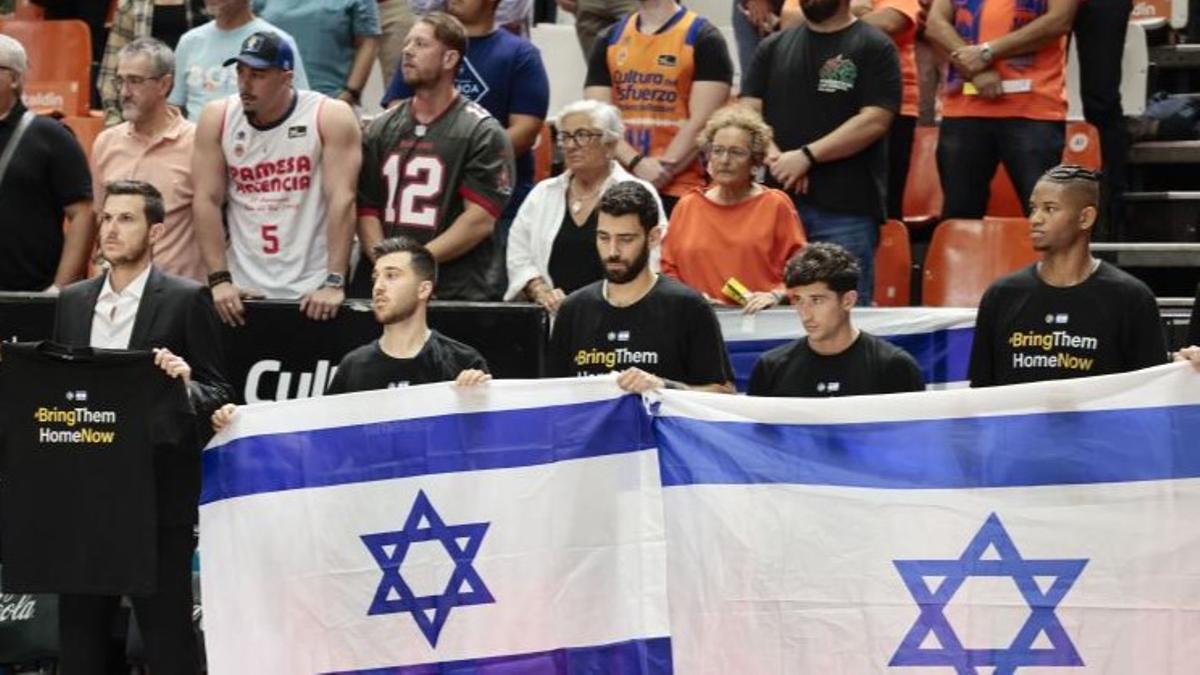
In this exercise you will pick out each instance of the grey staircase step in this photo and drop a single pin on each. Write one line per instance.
(1176, 56)
(1165, 152)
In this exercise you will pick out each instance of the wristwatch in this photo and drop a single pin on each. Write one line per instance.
(334, 280)
(985, 50)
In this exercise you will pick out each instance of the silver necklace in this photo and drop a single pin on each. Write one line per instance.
(577, 202)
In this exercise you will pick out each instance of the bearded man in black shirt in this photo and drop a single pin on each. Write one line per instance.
(834, 358)
(408, 352)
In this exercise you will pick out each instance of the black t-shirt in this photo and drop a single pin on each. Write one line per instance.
(1028, 331)
(672, 332)
(48, 173)
(712, 60)
(368, 367)
(810, 83)
(868, 366)
(574, 262)
(80, 431)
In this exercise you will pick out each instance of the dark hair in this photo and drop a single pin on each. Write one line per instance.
(624, 198)
(448, 30)
(823, 261)
(152, 199)
(423, 263)
(1082, 182)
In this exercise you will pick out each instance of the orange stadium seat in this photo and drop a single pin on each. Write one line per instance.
(60, 63)
(965, 256)
(1082, 146)
(893, 266)
(543, 154)
(923, 191)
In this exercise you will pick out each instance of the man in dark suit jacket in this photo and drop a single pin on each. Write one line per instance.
(135, 306)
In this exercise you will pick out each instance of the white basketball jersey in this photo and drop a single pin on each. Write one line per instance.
(275, 207)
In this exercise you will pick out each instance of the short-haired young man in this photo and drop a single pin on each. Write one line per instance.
(654, 330)
(834, 358)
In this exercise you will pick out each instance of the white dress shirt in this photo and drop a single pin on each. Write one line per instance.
(112, 321)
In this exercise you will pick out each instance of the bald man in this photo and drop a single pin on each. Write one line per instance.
(1069, 314)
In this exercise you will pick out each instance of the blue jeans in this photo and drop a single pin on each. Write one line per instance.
(856, 233)
(969, 148)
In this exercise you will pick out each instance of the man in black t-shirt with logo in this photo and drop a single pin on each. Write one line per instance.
(831, 122)
(1069, 315)
(408, 352)
(654, 330)
(834, 358)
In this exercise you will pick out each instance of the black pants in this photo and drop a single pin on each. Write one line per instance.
(1100, 36)
(165, 618)
(900, 142)
(969, 149)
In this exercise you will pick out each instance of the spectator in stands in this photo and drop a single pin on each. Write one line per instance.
(514, 16)
(1005, 96)
(1068, 315)
(282, 164)
(831, 123)
(43, 175)
(667, 70)
(593, 16)
(438, 167)
(504, 74)
(166, 20)
(338, 41)
(754, 20)
(656, 331)
(408, 352)
(552, 247)
(736, 234)
(201, 75)
(154, 145)
(834, 358)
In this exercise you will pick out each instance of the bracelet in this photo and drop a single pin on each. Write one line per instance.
(809, 154)
(634, 162)
(221, 277)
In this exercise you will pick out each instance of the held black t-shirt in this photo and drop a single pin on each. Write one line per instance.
(868, 366)
(672, 332)
(1028, 331)
(810, 83)
(80, 431)
(369, 367)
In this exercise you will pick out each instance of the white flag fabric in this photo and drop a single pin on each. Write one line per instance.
(1034, 529)
(513, 528)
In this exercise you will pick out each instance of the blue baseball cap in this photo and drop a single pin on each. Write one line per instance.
(265, 50)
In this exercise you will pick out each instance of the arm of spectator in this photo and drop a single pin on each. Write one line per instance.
(523, 131)
(854, 135)
(705, 99)
(77, 243)
(638, 381)
(888, 19)
(485, 190)
(1053, 24)
(208, 177)
(518, 256)
(939, 28)
(470, 228)
(370, 232)
(341, 161)
(790, 15)
(366, 47)
(1190, 354)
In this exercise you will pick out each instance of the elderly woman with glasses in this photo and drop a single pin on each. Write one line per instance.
(731, 240)
(552, 244)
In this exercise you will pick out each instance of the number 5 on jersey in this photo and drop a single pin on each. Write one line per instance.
(414, 190)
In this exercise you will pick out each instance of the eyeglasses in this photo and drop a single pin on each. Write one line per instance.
(582, 138)
(739, 154)
(133, 80)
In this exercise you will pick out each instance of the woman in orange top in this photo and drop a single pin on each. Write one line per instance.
(735, 229)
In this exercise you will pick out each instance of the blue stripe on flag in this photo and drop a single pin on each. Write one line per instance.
(943, 355)
(426, 445)
(1110, 446)
(635, 657)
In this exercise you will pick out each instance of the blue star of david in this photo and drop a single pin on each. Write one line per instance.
(465, 586)
(1042, 619)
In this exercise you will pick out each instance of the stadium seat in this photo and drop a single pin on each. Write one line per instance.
(893, 266)
(1082, 145)
(60, 63)
(923, 191)
(965, 256)
(543, 153)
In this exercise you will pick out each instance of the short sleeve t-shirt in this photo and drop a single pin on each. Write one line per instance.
(671, 333)
(504, 74)
(869, 366)
(80, 430)
(1029, 331)
(200, 73)
(906, 46)
(48, 173)
(369, 367)
(416, 178)
(325, 32)
(830, 78)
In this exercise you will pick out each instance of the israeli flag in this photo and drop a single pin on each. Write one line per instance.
(515, 527)
(939, 338)
(1042, 528)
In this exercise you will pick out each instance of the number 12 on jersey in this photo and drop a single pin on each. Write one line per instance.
(413, 190)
